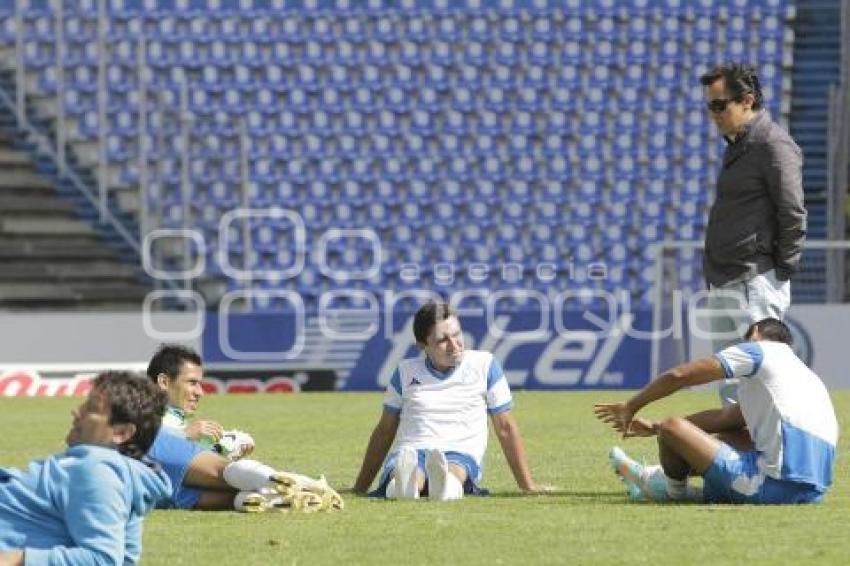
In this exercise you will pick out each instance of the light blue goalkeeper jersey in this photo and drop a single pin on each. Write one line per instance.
(82, 506)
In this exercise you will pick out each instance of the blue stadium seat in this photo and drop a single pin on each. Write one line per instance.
(536, 124)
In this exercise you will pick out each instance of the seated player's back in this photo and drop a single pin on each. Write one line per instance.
(782, 394)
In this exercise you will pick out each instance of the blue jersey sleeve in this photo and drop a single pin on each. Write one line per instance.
(741, 360)
(96, 514)
(393, 395)
(498, 395)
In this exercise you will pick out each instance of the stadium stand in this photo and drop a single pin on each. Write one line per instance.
(817, 66)
(53, 256)
(553, 135)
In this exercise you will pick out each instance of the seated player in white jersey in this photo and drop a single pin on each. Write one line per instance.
(205, 473)
(435, 416)
(776, 446)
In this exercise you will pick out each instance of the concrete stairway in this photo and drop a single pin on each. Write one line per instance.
(50, 257)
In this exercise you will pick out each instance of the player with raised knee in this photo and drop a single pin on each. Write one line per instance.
(208, 475)
(777, 445)
(435, 414)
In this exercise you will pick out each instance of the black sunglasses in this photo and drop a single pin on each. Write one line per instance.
(719, 105)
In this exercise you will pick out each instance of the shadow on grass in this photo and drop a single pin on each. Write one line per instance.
(613, 497)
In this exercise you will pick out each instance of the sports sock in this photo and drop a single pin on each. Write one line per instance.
(454, 488)
(248, 475)
(677, 489)
(694, 494)
(391, 493)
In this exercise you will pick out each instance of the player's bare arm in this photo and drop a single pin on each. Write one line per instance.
(507, 431)
(12, 558)
(620, 415)
(201, 428)
(379, 444)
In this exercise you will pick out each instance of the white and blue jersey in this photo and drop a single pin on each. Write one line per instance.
(448, 412)
(788, 412)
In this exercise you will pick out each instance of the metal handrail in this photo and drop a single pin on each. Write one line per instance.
(53, 146)
(46, 146)
(838, 160)
(658, 285)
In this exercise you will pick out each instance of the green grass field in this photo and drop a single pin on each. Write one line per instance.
(586, 520)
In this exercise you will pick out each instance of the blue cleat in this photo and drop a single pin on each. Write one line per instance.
(642, 483)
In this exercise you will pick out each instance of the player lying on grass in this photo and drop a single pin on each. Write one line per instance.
(192, 454)
(178, 371)
(435, 409)
(85, 505)
(779, 440)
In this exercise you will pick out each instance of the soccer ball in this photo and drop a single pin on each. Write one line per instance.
(234, 444)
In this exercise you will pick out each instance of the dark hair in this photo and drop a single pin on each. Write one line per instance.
(132, 399)
(739, 79)
(771, 329)
(429, 315)
(169, 359)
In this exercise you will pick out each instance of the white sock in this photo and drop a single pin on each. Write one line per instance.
(406, 474)
(391, 493)
(677, 489)
(248, 475)
(454, 488)
(694, 494)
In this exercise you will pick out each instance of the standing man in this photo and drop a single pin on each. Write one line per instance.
(85, 505)
(776, 446)
(435, 411)
(757, 224)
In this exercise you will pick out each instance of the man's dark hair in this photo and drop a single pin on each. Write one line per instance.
(169, 359)
(739, 79)
(427, 317)
(132, 399)
(771, 329)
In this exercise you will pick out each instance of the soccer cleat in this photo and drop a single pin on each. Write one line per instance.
(253, 503)
(438, 470)
(285, 483)
(269, 501)
(289, 483)
(655, 483)
(639, 481)
(405, 474)
(331, 500)
(302, 502)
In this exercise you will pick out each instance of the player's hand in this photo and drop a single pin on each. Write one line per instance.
(641, 428)
(12, 558)
(618, 415)
(540, 489)
(200, 428)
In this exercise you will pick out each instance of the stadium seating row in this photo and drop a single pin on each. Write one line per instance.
(533, 132)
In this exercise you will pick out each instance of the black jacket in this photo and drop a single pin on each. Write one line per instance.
(757, 222)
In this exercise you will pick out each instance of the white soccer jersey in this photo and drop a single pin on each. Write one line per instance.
(787, 410)
(448, 411)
